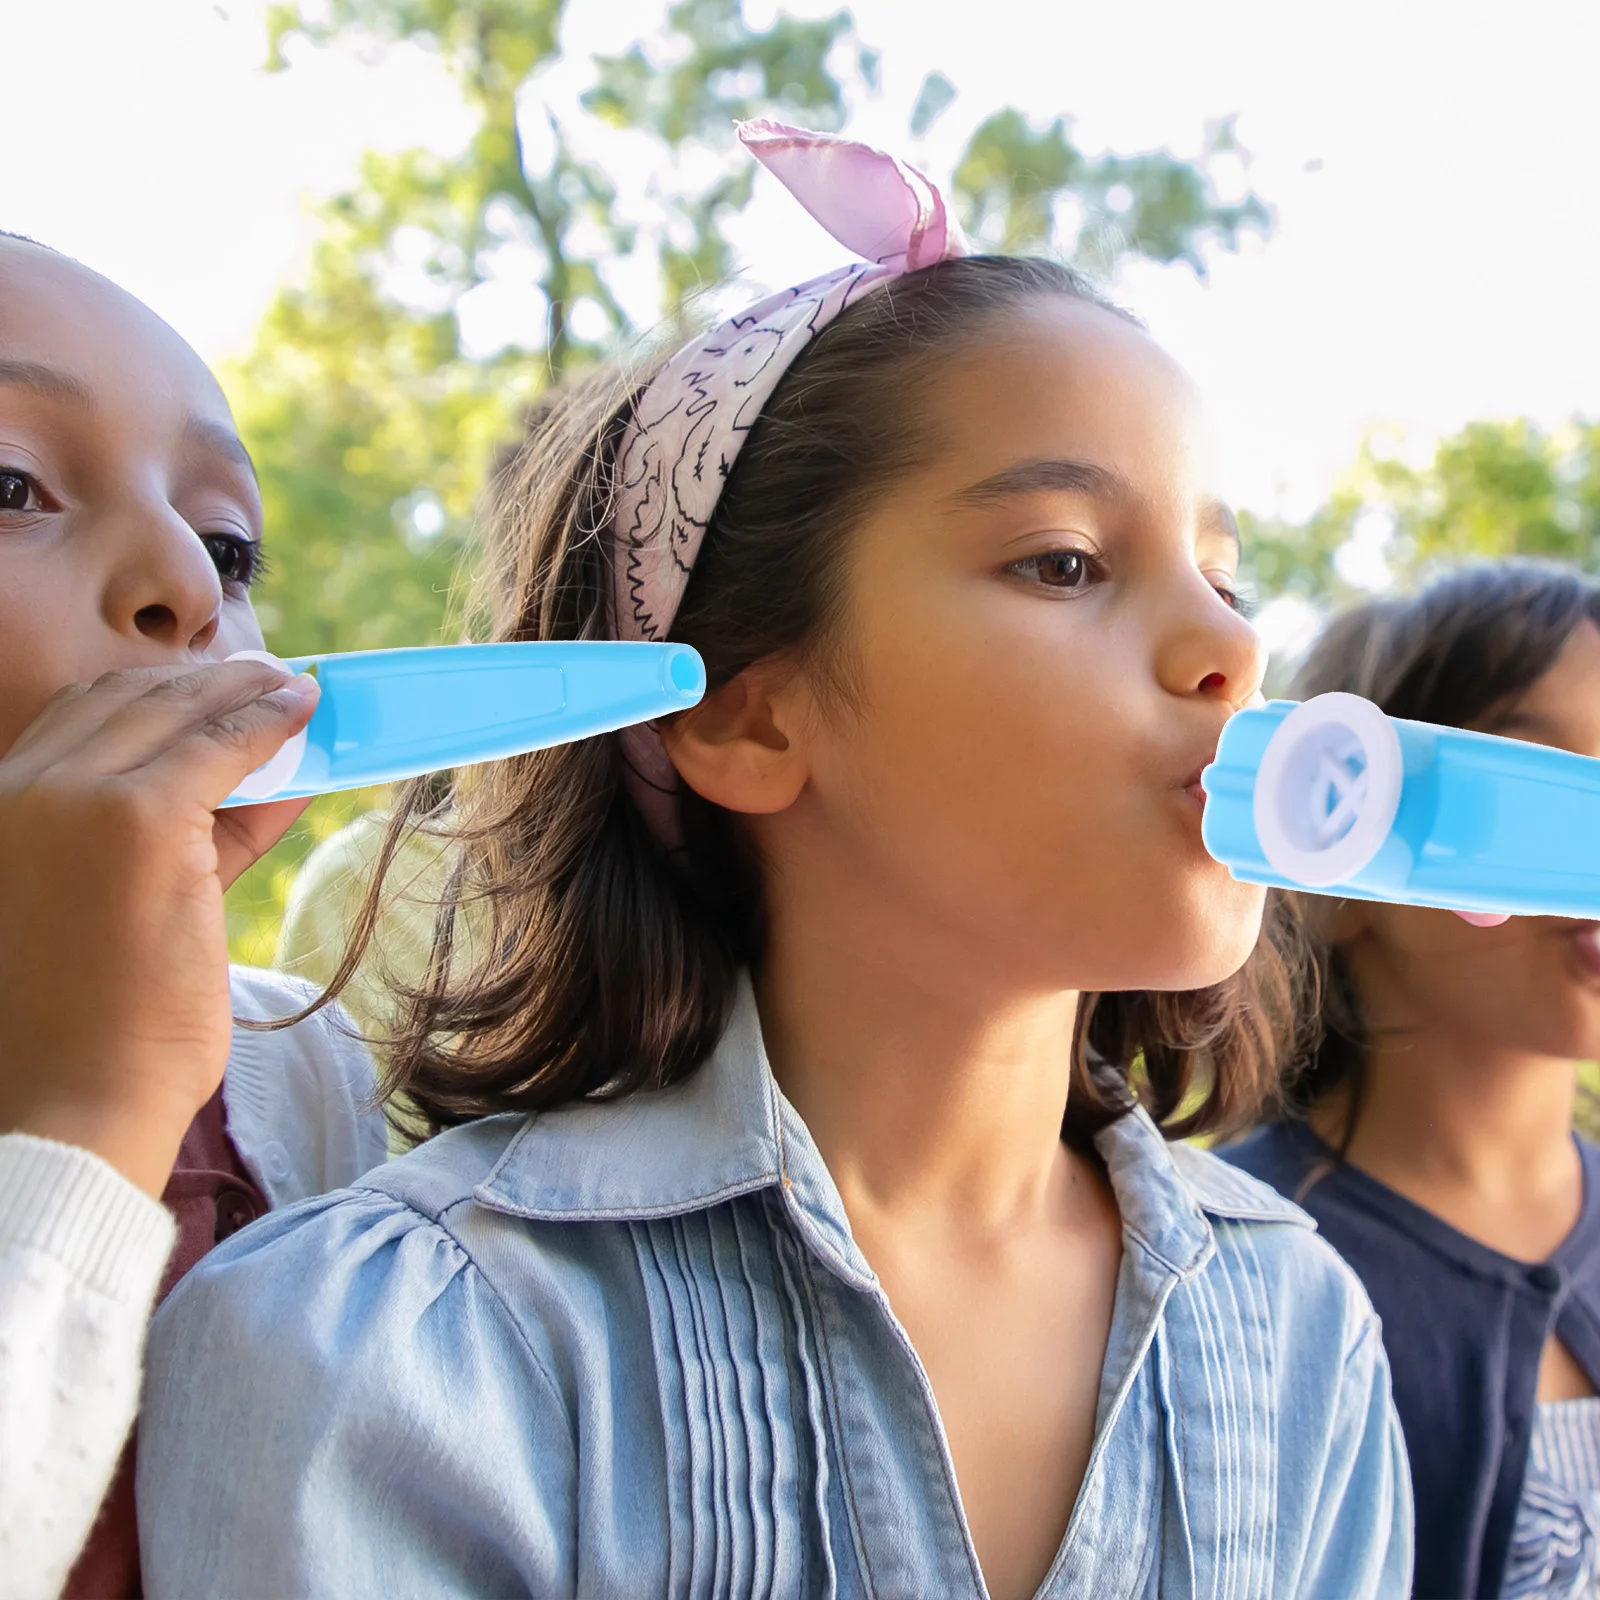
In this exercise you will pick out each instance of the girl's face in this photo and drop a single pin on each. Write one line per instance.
(1530, 985)
(130, 520)
(1043, 644)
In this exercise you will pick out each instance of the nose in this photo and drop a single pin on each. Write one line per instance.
(1210, 649)
(163, 588)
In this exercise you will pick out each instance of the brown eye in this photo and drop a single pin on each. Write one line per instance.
(1063, 569)
(1066, 571)
(18, 492)
(238, 561)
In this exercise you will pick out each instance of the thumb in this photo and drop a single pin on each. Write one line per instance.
(243, 834)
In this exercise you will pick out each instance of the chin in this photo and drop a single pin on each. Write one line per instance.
(1168, 962)
(1211, 944)
(1201, 970)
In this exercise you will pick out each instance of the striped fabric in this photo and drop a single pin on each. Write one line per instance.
(1555, 1546)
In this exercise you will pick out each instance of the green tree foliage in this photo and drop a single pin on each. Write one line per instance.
(1493, 489)
(372, 426)
(1014, 177)
(373, 420)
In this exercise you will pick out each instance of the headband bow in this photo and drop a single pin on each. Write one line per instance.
(687, 427)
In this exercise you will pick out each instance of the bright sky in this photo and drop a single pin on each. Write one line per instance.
(1433, 165)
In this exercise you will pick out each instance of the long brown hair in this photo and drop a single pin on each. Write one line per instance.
(572, 957)
(1462, 649)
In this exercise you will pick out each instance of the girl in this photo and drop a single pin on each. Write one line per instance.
(1435, 1145)
(796, 1230)
(129, 534)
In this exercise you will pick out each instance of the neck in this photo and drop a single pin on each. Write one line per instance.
(927, 1091)
(1477, 1133)
(1497, 1120)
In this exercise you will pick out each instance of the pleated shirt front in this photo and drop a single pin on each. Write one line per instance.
(631, 1348)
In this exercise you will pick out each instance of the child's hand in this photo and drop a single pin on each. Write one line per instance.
(115, 1021)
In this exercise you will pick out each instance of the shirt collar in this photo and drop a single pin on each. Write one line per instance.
(727, 1130)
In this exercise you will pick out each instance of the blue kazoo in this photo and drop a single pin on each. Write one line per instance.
(1335, 797)
(391, 714)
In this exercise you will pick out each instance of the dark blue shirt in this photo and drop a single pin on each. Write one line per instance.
(1464, 1327)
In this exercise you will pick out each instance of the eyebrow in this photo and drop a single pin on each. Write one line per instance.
(221, 439)
(48, 382)
(1062, 475)
(53, 384)
(1041, 477)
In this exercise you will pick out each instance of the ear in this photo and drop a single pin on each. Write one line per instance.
(743, 747)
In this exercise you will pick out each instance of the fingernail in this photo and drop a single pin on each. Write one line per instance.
(305, 686)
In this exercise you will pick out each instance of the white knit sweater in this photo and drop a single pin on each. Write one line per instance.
(82, 1251)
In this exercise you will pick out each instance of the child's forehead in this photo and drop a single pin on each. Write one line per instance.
(60, 316)
(1068, 378)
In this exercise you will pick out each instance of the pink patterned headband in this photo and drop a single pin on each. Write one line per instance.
(688, 425)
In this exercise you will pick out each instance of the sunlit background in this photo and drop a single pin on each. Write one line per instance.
(1370, 230)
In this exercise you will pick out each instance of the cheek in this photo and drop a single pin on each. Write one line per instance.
(239, 629)
(987, 742)
(1010, 781)
(37, 640)
(25, 690)
(1517, 985)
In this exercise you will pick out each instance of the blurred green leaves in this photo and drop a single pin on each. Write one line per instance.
(1493, 489)
(1027, 188)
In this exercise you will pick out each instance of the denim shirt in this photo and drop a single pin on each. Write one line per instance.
(631, 1348)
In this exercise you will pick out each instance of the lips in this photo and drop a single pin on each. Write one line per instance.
(1192, 770)
(1192, 785)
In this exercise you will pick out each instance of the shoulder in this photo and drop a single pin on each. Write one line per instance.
(1268, 1248)
(300, 1100)
(1278, 1153)
(1226, 1187)
(355, 1330)
(395, 1238)
(440, 1178)
(342, 1277)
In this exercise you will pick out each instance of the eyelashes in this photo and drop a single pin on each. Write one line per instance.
(1071, 572)
(20, 493)
(1065, 571)
(1239, 596)
(240, 562)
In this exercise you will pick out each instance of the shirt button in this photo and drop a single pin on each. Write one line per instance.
(275, 1161)
(234, 1211)
(1545, 1278)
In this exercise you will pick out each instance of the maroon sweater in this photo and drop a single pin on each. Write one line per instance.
(211, 1195)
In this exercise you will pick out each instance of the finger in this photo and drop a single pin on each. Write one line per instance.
(209, 762)
(172, 710)
(75, 714)
(244, 834)
(1483, 919)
